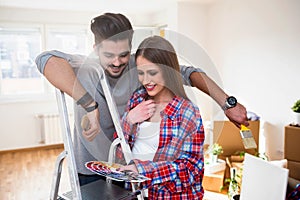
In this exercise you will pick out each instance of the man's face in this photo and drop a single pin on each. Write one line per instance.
(114, 56)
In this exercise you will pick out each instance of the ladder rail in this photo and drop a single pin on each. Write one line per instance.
(68, 151)
(115, 117)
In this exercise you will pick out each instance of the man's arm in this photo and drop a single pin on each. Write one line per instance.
(56, 68)
(61, 75)
(237, 114)
(59, 72)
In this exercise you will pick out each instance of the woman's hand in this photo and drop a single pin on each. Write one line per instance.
(131, 167)
(141, 112)
(90, 125)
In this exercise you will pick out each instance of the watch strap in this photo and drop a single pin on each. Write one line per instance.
(92, 108)
(225, 107)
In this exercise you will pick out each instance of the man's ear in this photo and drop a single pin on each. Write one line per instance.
(96, 49)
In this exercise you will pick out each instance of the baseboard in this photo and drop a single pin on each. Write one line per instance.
(40, 147)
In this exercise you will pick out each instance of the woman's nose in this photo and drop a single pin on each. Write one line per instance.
(146, 79)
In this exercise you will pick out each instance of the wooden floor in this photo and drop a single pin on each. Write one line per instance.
(27, 174)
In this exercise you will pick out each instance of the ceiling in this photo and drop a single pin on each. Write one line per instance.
(127, 6)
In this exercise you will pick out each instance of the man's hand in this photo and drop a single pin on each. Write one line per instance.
(90, 125)
(141, 112)
(237, 115)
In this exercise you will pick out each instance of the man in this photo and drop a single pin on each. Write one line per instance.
(77, 76)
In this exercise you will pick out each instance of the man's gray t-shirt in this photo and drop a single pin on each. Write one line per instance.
(121, 88)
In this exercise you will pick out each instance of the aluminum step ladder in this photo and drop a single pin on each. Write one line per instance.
(68, 145)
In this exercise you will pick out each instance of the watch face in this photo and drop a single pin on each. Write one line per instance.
(231, 101)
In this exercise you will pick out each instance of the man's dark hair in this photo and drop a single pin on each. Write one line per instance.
(111, 26)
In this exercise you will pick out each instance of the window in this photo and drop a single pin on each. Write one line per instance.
(70, 40)
(18, 49)
(20, 45)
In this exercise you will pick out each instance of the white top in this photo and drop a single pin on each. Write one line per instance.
(147, 141)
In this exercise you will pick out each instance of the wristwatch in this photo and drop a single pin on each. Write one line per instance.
(230, 103)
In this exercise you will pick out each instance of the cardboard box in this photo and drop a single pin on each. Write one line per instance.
(228, 136)
(237, 158)
(294, 169)
(213, 182)
(292, 143)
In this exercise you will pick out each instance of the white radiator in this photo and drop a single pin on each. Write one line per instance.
(51, 129)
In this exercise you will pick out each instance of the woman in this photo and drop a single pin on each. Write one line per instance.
(161, 121)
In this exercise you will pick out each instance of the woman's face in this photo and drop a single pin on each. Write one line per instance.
(150, 76)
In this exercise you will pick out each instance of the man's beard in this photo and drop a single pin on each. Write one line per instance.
(116, 75)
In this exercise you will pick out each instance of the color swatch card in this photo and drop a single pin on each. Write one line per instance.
(110, 171)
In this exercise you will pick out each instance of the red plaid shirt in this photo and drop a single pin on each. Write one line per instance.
(176, 171)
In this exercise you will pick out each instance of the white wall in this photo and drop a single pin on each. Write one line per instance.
(254, 48)
(19, 125)
(192, 47)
